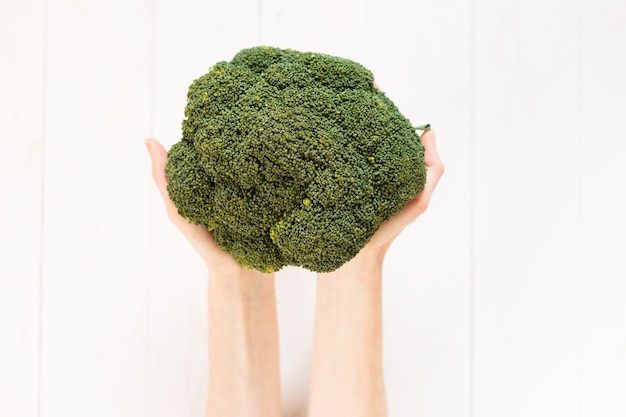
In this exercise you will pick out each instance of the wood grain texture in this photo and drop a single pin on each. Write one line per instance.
(336, 28)
(95, 307)
(603, 105)
(22, 45)
(527, 167)
(504, 299)
(420, 55)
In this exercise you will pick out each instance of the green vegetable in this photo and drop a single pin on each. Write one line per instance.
(292, 158)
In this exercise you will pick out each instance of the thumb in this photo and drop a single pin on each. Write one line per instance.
(158, 155)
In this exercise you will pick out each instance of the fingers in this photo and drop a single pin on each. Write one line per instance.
(429, 140)
(158, 155)
(434, 171)
(392, 228)
(434, 165)
(199, 237)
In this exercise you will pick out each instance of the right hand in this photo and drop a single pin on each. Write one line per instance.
(390, 229)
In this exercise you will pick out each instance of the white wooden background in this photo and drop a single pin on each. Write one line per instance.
(506, 299)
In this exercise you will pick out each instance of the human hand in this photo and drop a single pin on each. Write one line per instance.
(390, 229)
(203, 242)
(200, 238)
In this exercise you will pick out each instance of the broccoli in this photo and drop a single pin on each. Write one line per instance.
(292, 158)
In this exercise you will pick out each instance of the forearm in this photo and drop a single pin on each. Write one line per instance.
(244, 377)
(347, 376)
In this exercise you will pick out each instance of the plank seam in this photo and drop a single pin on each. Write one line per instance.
(42, 202)
(472, 204)
(151, 122)
(259, 16)
(579, 197)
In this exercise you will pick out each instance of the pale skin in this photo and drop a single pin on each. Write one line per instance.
(347, 368)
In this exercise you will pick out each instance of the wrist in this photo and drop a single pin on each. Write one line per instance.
(368, 261)
(239, 281)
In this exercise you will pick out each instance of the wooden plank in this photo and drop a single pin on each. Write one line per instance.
(603, 104)
(336, 28)
(21, 138)
(420, 55)
(527, 167)
(190, 37)
(95, 307)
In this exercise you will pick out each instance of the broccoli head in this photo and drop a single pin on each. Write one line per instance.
(292, 158)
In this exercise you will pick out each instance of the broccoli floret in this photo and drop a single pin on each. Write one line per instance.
(292, 158)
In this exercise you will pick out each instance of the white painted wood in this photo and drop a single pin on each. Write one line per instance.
(527, 167)
(603, 315)
(190, 36)
(332, 27)
(342, 29)
(21, 140)
(95, 306)
(124, 296)
(420, 55)
(336, 28)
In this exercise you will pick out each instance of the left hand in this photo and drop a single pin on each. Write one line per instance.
(200, 238)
